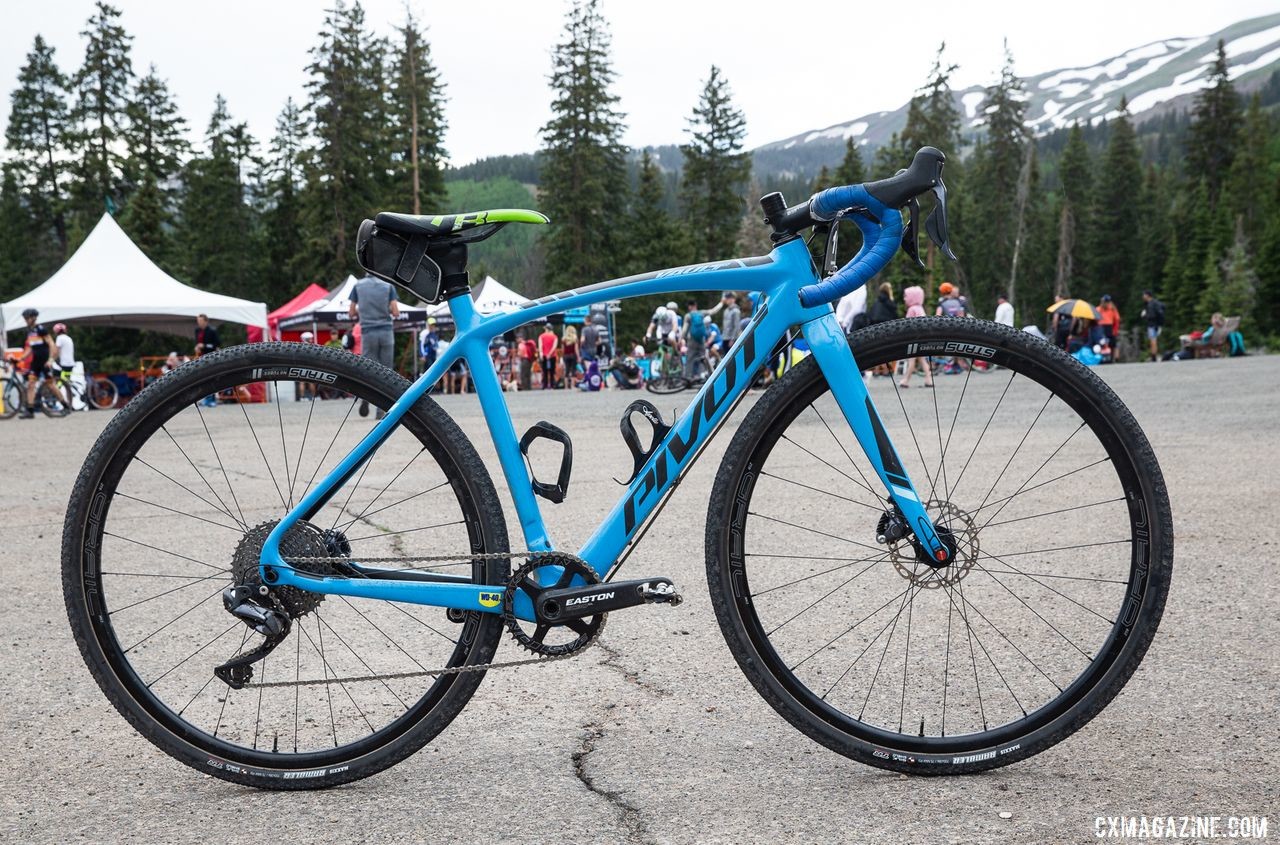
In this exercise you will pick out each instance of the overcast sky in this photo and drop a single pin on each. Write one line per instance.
(793, 66)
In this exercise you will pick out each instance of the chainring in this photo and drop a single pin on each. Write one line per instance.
(523, 581)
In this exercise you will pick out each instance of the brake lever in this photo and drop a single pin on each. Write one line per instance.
(910, 236)
(936, 224)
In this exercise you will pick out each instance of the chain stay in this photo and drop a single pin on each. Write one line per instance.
(432, 673)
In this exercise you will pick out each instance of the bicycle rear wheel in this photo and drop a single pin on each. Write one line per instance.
(1046, 488)
(173, 505)
(101, 393)
(667, 384)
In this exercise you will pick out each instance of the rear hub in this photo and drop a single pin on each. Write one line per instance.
(303, 540)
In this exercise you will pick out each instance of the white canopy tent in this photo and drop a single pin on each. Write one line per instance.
(110, 282)
(490, 297)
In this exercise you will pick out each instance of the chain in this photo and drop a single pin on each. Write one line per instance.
(431, 673)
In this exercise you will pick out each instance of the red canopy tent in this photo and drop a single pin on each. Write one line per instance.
(309, 295)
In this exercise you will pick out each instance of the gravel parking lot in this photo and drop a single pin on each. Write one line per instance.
(655, 735)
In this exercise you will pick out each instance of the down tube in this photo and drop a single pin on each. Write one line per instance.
(678, 450)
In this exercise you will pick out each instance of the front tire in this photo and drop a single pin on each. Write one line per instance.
(1011, 647)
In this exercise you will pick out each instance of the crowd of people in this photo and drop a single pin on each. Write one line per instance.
(688, 341)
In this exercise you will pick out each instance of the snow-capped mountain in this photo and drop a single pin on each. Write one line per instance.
(1154, 77)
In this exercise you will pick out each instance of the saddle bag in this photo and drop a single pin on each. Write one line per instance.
(427, 269)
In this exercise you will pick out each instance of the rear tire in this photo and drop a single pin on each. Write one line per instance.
(102, 393)
(99, 607)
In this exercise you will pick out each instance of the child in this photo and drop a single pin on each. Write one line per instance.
(914, 298)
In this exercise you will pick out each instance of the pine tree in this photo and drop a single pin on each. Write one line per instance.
(219, 233)
(418, 111)
(824, 180)
(1250, 186)
(35, 137)
(851, 170)
(583, 183)
(16, 226)
(347, 169)
(1076, 174)
(656, 241)
(932, 117)
(101, 88)
(156, 132)
(1113, 259)
(281, 214)
(1231, 285)
(1154, 234)
(1194, 241)
(1214, 127)
(716, 171)
(890, 157)
(156, 138)
(998, 166)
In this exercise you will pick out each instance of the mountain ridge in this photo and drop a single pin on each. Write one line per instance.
(1154, 78)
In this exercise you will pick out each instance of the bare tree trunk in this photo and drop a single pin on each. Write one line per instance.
(1066, 247)
(1024, 193)
(413, 117)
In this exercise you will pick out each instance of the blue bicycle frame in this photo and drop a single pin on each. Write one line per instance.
(779, 276)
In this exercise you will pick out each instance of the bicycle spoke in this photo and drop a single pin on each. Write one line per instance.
(1017, 449)
(366, 666)
(164, 551)
(875, 508)
(849, 629)
(220, 509)
(393, 480)
(423, 624)
(1052, 455)
(365, 516)
(302, 447)
(385, 635)
(1032, 578)
(911, 590)
(823, 460)
(226, 696)
(160, 595)
(865, 483)
(266, 463)
(226, 631)
(987, 652)
(1014, 645)
(178, 512)
(813, 530)
(882, 558)
(225, 509)
(406, 531)
(284, 450)
(1054, 512)
(995, 502)
(329, 448)
(221, 466)
(982, 434)
(216, 592)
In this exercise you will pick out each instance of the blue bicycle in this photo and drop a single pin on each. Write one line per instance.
(939, 581)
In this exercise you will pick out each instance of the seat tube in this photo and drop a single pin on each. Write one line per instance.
(498, 419)
(836, 360)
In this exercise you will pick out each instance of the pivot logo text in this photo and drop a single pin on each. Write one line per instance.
(678, 445)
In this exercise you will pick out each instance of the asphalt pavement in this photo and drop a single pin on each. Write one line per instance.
(655, 735)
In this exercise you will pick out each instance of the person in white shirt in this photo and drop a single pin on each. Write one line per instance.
(1004, 311)
(66, 358)
(850, 306)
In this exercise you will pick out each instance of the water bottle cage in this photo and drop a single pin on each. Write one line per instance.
(545, 430)
(639, 454)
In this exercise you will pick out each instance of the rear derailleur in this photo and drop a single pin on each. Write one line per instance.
(245, 603)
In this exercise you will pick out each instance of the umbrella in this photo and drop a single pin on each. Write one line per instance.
(1075, 308)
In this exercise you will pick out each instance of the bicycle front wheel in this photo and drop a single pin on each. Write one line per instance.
(11, 401)
(665, 385)
(1039, 478)
(174, 504)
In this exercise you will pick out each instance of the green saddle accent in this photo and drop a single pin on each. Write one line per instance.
(441, 225)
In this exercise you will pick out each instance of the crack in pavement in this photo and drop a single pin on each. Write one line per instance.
(628, 814)
(614, 662)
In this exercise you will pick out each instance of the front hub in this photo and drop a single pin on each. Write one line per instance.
(958, 534)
